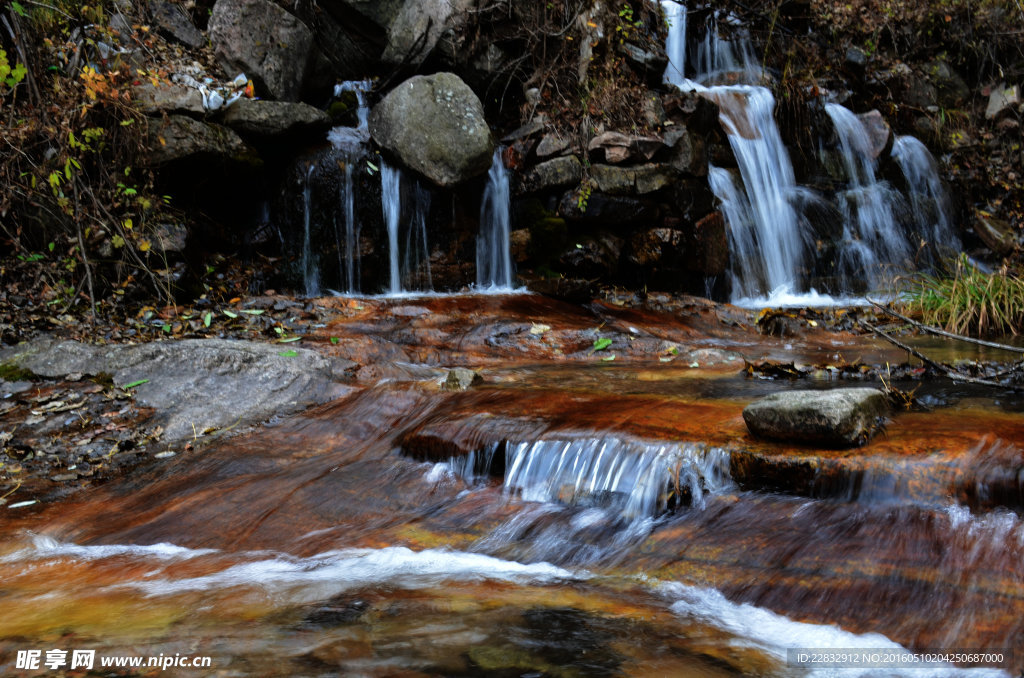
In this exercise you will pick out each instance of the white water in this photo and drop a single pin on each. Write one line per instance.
(766, 241)
(391, 205)
(776, 635)
(494, 270)
(765, 237)
(331, 572)
(873, 246)
(675, 45)
(929, 201)
(633, 477)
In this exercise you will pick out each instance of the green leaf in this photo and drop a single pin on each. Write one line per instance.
(601, 343)
(335, 340)
(51, 246)
(166, 328)
(288, 354)
(288, 340)
(230, 314)
(207, 318)
(608, 359)
(253, 311)
(140, 382)
(19, 9)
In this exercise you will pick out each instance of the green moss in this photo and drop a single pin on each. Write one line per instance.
(11, 372)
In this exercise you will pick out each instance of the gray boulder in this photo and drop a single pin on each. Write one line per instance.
(879, 132)
(417, 27)
(435, 125)
(272, 118)
(178, 137)
(556, 173)
(258, 38)
(173, 21)
(844, 417)
(637, 180)
(197, 384)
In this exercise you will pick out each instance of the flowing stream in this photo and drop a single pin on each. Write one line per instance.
(599, 518)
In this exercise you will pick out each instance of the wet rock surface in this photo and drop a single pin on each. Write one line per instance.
(840, 417)
(196, 385)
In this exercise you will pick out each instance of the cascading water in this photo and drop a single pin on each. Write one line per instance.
(872, 241)
(411, 262)
(675, 45)
(765, 236)
(493, 258)
(351, 142)
(770, 239)
(310, 268)
(928, 199)
(391, 204)
(764, 231)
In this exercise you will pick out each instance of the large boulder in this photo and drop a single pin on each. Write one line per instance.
(172, 21)
(417, 27)
(272, 118)
(258, 38)
(435, 125)
(843, 417)
(178, 137)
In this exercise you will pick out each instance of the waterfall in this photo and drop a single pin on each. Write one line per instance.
(408, 260)
(872, 240)
(765, 235)
(928, 199)
(493, 258)
(417, 249)
(351, 143)
(675, 44)
(310, 270)
(763, 227)
(391, 204)
(635, 478)
(722, 62)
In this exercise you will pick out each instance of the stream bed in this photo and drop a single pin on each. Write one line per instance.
(564, 518)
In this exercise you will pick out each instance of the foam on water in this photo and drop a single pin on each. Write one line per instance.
(775, 634)
(44, 548)
(349, 568)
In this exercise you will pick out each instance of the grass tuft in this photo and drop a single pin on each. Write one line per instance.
(966, 300)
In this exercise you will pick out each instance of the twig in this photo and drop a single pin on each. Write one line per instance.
(33, 89)
(951, 373)
(944, 333)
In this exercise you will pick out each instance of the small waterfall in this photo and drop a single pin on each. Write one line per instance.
(675, 44)
(351, 142)
(310, 267)
(391, 204)
(928, 199)
(872, 239)
(724, 62)
(636, 479)
(764, 231)
(417, 250)
(411, 262)
(765, 235)
(493, 258)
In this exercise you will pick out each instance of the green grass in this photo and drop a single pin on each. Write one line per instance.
(966, 300)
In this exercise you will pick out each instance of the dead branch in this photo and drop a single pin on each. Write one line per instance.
(944, 333)
(949, 372)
